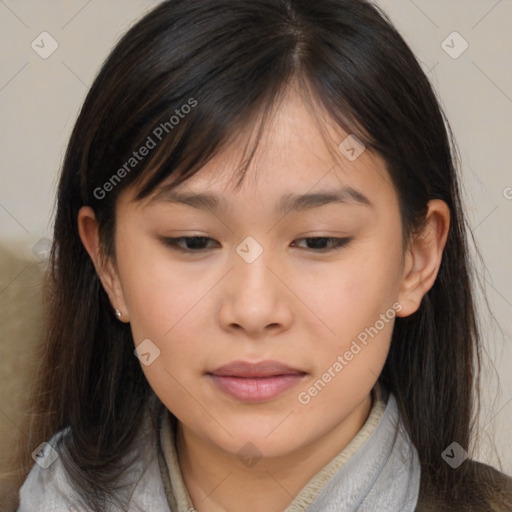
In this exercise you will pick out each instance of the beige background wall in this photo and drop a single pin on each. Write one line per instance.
(40, 98)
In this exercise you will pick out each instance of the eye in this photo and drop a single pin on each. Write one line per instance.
(318, 243)
(197, 243)
(193, 243)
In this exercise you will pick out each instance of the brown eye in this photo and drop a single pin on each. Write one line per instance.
(318, 244)
(192, 243)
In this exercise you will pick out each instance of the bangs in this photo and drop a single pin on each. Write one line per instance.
(197, 139)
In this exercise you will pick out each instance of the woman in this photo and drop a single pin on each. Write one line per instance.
(305, 339)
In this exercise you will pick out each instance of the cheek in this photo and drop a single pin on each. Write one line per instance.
(164, 307)
(157, 294)
(353, 294)
(166, 303)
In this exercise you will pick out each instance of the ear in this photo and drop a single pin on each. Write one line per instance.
(105, 267)
(423, 257)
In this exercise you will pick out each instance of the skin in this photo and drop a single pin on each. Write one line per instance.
(291, 304)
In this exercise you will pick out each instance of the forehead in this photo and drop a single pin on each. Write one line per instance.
(298, 151)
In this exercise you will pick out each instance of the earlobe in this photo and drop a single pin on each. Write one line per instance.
(423, 257)
(107, 273)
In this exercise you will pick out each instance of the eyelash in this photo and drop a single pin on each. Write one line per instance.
(173, 243)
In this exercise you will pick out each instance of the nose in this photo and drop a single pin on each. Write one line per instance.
(254, 297)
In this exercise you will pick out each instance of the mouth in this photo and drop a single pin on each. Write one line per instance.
(255, 382)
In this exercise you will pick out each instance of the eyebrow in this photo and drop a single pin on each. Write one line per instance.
(287, 204)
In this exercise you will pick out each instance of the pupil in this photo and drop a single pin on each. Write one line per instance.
(196, 242)
(318, 242)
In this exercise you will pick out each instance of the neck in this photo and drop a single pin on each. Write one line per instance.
(217, 481)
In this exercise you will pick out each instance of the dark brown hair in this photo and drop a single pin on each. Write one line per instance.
(234, 58)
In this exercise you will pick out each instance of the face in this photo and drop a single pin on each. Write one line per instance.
(312, 289)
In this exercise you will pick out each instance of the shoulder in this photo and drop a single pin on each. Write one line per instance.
(483, 489)
(498, 486)
(502, 480)
(48, 488)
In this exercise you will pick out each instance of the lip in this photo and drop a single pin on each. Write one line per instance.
(260, 369)
(255, 382)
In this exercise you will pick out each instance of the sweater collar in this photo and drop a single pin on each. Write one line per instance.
(378, 470)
